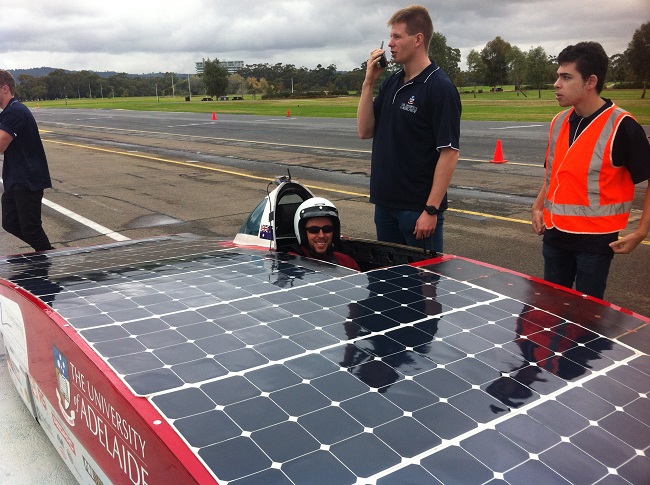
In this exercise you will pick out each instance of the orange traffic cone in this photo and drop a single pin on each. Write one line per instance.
(288, 113)
(498, 154)
(214, 116)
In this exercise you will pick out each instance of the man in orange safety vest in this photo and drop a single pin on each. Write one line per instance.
(596, 154)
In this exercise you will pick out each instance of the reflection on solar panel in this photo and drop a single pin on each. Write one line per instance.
(274, 369)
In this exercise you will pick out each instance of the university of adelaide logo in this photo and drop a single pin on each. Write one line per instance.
(410, 105)
(63, 385)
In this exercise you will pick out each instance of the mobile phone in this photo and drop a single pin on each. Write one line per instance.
(383, 62)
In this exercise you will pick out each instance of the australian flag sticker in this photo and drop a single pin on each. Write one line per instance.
(266, 232)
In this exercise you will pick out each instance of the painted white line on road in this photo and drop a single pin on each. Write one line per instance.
(191, 124)
(104, 231)
(515, 127)
(213, 138)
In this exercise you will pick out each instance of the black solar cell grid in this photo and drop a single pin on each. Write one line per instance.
(275, 370)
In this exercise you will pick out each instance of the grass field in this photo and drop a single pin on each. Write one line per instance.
(507, 105)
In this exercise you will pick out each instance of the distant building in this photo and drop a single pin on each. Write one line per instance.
(231, 66)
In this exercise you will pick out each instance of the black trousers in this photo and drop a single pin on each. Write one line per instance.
(21, 216)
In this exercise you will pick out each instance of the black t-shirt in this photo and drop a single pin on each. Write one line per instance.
(25, 164)
(631, 150)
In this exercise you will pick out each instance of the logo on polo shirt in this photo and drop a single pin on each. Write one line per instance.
(410, 105)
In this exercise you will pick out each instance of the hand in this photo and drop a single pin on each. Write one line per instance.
(372, 68)
(537, 216)
(425, 225)
(626, 244)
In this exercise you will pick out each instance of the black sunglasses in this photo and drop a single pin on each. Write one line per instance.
(317, 229)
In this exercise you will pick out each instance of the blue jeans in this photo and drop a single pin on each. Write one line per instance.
(397, 225)
(588, 270)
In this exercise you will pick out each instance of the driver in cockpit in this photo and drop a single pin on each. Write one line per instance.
(318, 231)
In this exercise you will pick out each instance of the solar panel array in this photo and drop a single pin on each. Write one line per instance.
(276, 369)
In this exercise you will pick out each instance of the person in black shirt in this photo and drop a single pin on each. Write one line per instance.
(25, 173)
(414, 123)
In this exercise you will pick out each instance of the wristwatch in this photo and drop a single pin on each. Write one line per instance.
(432, 210)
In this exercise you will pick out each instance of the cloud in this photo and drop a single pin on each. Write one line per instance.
(163, 36)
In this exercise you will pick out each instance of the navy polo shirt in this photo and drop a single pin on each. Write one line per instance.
(413, 121)
(25, 165)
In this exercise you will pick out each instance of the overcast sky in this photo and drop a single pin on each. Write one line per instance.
(170, 36)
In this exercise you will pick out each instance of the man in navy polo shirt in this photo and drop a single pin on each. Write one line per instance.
(415, 125)
(25, 173)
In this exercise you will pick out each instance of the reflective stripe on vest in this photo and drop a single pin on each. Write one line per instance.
(586, 193)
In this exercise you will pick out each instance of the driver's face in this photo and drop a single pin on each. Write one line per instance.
(320, 242)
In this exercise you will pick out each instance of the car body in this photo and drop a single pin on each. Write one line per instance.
(185, 359)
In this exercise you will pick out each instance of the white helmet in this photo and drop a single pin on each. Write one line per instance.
(316, 207)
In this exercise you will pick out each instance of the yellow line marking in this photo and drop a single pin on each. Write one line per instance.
(536, 165)
(266, 179)
(491, 216)
(166, 160)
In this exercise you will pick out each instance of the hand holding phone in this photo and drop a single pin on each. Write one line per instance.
(383, 62)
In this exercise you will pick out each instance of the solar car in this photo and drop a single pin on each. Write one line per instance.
(191, 360)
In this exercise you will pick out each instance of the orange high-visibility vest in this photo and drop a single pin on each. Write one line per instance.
(586, 193)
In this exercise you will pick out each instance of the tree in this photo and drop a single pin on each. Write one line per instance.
(215, 78)
(443, 55)
(322, 78)
(494, 55)
(198, 86)
(538, 69)
(119, 83)
(517, 67)
(83, 83)
(351, 80)
(30, 88)
(619, 70)
(638, 55)
(58, 84)
(256, 86)
(236, 84)
(476, 69)
(459, 79)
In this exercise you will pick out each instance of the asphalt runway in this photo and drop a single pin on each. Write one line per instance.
(121, 174)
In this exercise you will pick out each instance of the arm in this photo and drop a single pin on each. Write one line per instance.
(626, 244)
(5, 140)
(365, 111)
(537, 212)
(426, 224)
